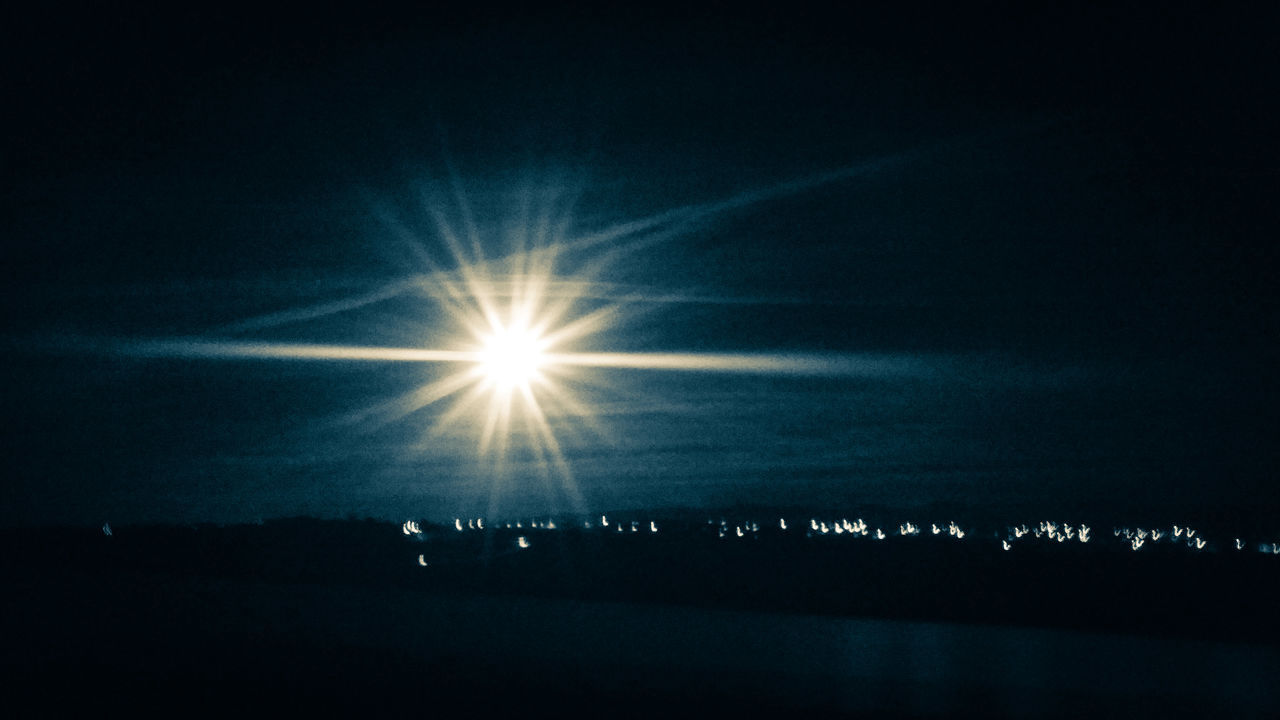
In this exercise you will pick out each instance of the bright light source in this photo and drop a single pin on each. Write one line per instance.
(511, 357)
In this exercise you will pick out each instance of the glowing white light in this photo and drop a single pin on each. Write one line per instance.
(457, 524)
(604, 521)
(936, 530)
(1239, 544)
(471, 524)
(1084, 533)
(1005, 544)
(653, 526)
(782, 523)
(813, 524)
(480, 523)
(879, 534)
(1199, 543)
(511, 357)
(522, 542)
(738, 529)
(422, 561)
(839, 530)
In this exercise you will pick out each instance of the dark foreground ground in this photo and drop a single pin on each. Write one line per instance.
(318, 615)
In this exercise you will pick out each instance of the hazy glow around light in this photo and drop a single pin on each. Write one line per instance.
(514, 319)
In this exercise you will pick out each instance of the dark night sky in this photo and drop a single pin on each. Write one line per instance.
(1067, 219)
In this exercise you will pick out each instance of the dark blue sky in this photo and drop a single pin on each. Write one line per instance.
(1063, 225)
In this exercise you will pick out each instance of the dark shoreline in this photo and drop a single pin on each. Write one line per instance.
(291, 609)
(1165, 590)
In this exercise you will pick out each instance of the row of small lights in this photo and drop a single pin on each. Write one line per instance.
(1047, 531)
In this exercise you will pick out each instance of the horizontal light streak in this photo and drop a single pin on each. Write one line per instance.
(750, 363)
(761, 363)
(219, 349)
